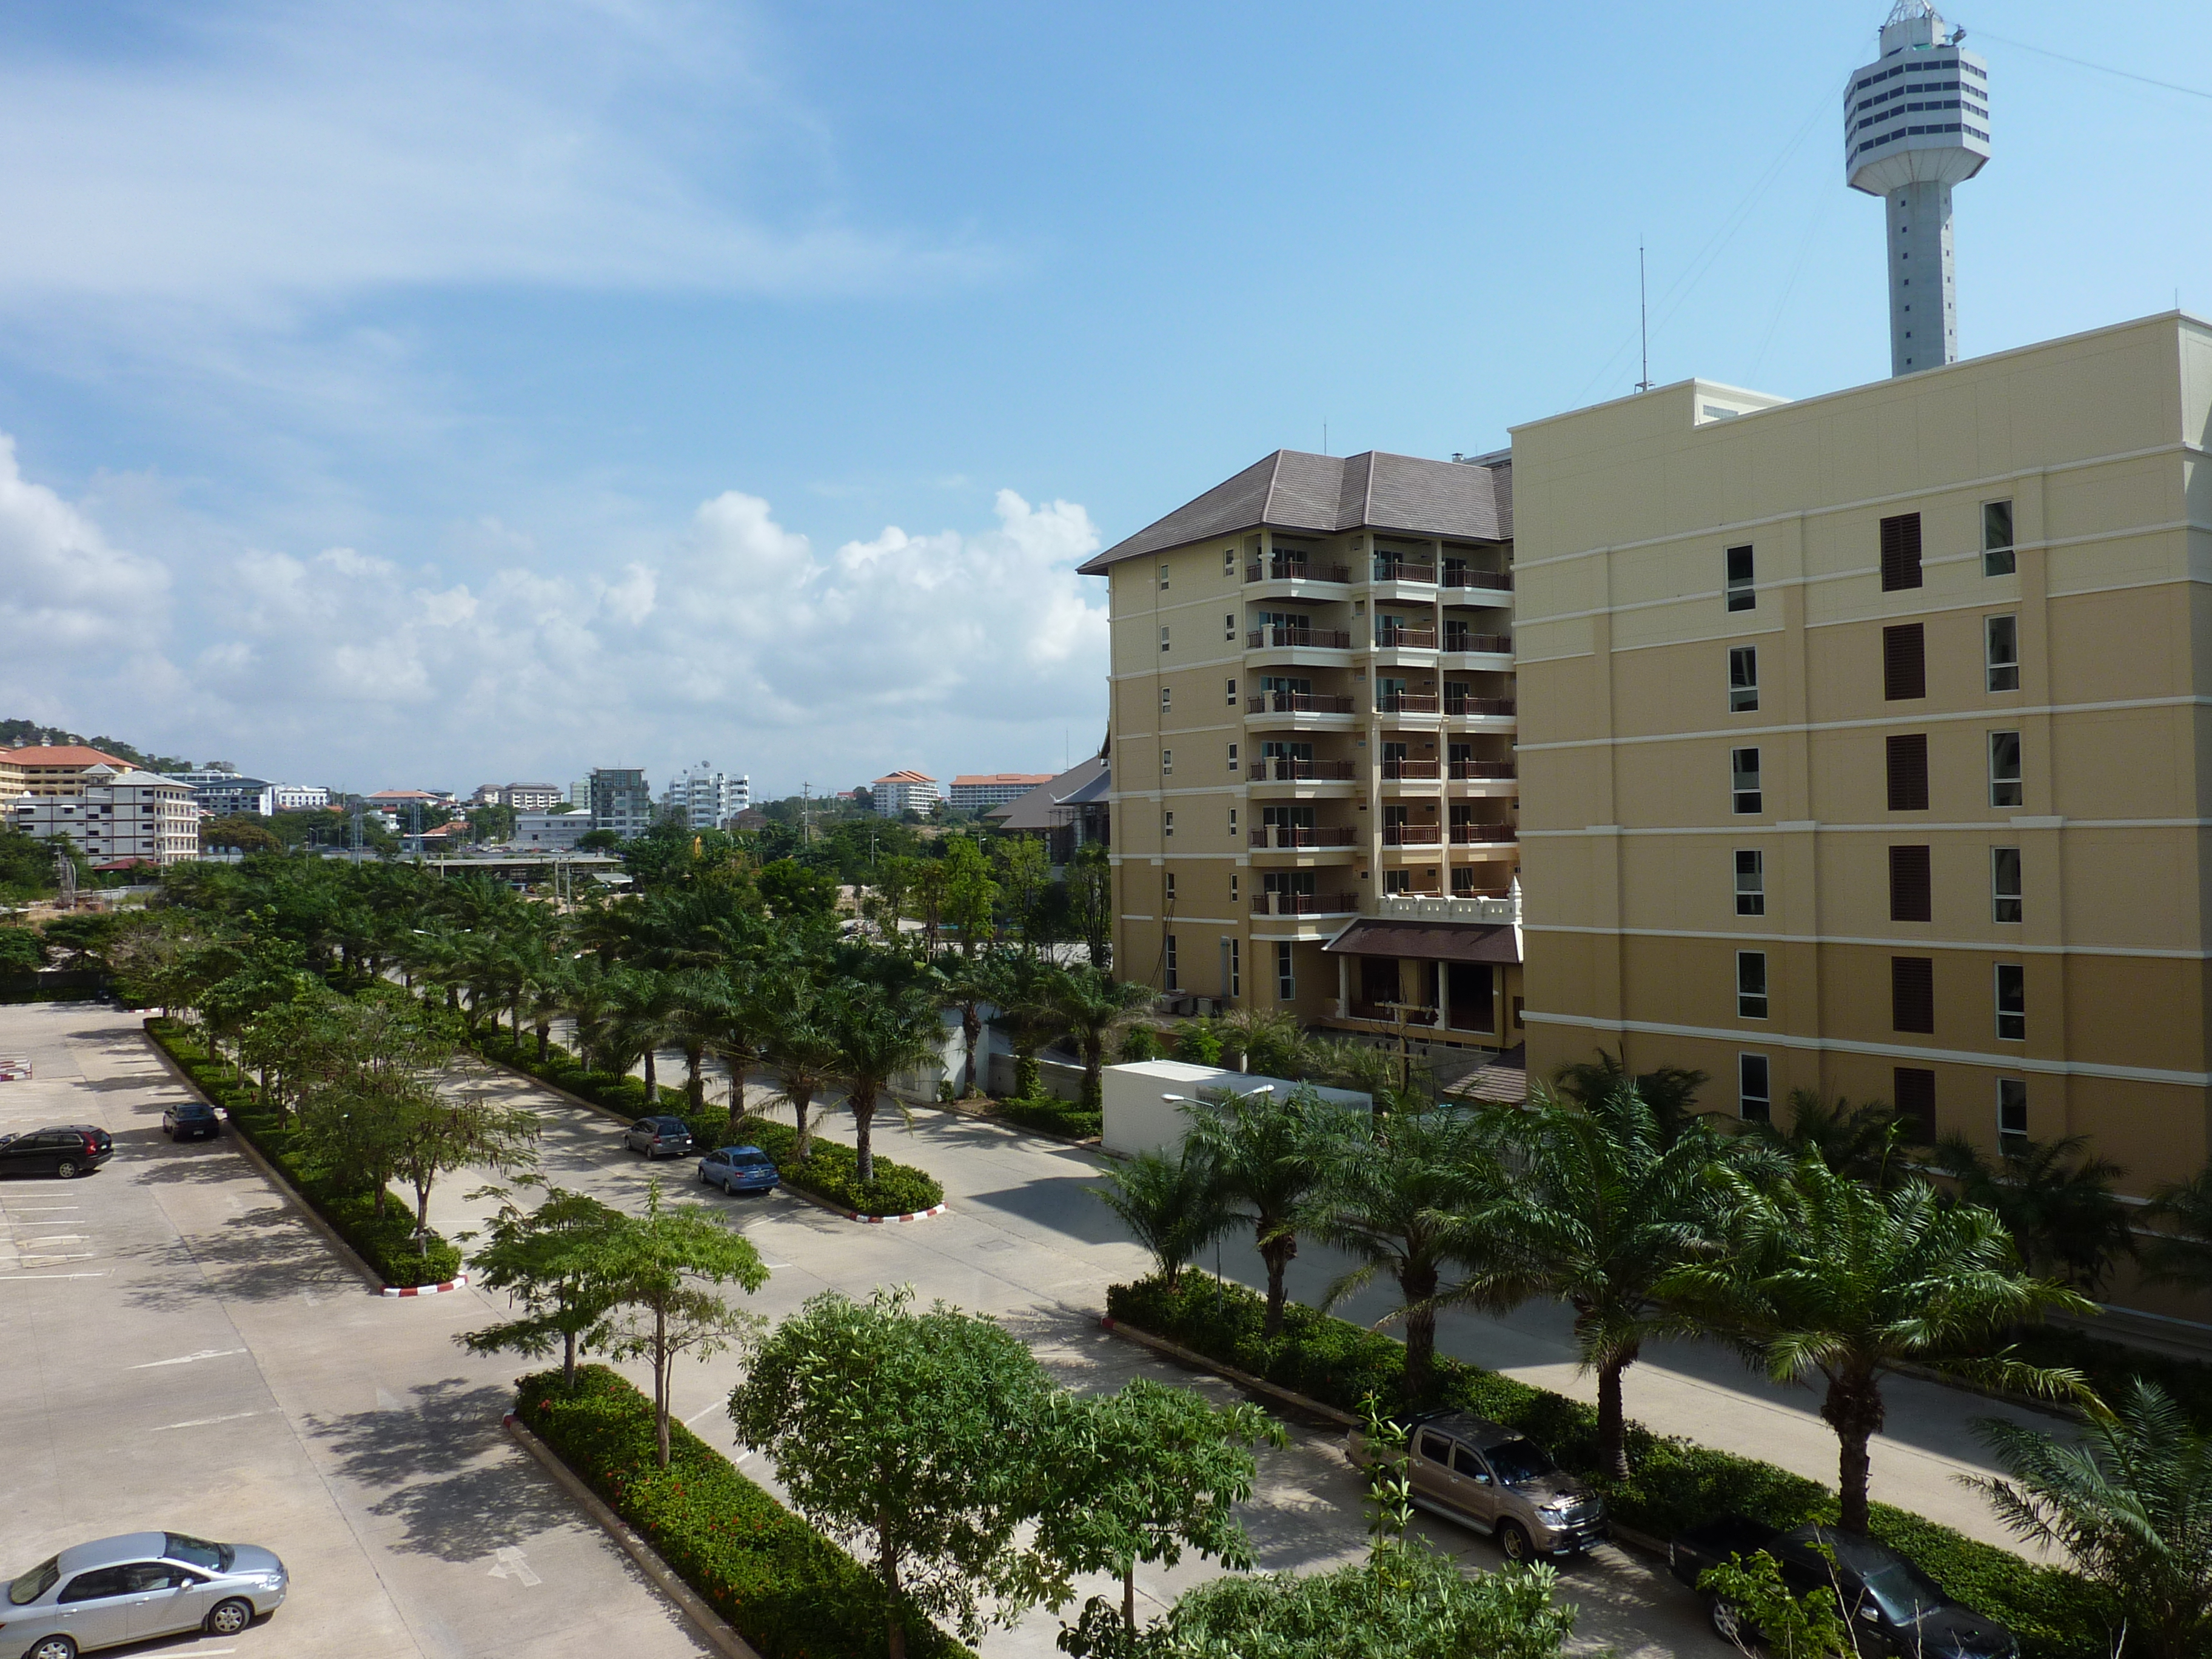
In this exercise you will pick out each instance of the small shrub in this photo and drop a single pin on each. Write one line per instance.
(1051, 1116)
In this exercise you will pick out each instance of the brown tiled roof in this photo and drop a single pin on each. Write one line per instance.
(1292, 489)
(60, 754)
(1430, 941)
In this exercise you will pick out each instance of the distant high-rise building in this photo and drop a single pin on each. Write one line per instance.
(528, 797)
(905, 791)
(223, 792)
(974, 791)
(1916, 122)
(706, 800)
(620, 799)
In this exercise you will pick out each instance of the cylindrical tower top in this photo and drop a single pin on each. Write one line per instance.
(1920, 113)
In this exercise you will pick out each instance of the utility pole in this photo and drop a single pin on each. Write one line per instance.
(1642, 319)
(807, 814)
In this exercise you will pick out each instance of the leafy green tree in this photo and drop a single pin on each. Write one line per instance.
(1024, 871)
(1174, 1204)
(1824, 1276)
(1604, 1208)
(22, 951)
(965, 896)
(552, 1260)
(919, 1438)
(598, 840)
(2132, 1503)
(794, 891)
(1091, 902)
(2056, 1201)
(1267, 1152)
(438, 1132)
(1751, 1589)
(1146, 1472)
(1090, 1007)
(243, 831)
(881, 1030)
(661, 1275)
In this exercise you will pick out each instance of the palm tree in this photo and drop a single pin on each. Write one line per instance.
(881, 1031)
(1026, 990)
(1173, 1204)
(800, 1042)
(969, 983)
(2055, 1200)
(2132, 1503)
(1865, 1141)
(1265, 1154)
(1605, 1206)
(699, 1020)
(1267, 1038)
(1671, 1092)
(1403, 1193)
(1824, 1275)
(2182, 1253)
(648, 1017)
(1092, 1007)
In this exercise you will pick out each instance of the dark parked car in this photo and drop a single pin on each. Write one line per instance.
(659, 1137)
(1897, 1610)
(65, 1151)
(187, 1119)
(739, 1169)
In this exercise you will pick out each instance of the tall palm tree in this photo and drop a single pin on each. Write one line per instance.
(1266, 1154)
(2181, 1254)
(699, 1020)
(2055, 1200)
(648, 1016)
(1671, 1092)
(881, 1031)
(1865, 1141)
(1605, 1207)
(1026, 990)
(969, 984)
(1090, 1007)
(1172, 1202)
(1823, 1275)
(801, 1041)
(1404, 1194)
(2131, 1502)
(1267, 1038)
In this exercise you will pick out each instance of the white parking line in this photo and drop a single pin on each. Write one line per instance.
(102, 1274)
(203, 1422)
(187, 1359)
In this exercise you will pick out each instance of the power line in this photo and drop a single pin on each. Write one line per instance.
(2101, 69)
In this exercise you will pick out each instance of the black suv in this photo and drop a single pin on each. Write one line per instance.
(1896, 1609)
(69, 1150)
(187, 1119)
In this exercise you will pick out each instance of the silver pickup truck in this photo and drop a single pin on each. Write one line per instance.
(1492, 1478)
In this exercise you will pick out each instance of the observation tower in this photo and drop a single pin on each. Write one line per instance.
(1916, 122)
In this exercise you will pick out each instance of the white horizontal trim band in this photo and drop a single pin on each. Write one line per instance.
(1996, 717)
(2000, 947)
(1900, 826)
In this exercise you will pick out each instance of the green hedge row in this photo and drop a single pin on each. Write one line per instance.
(385, 1242)
(788, 1589)
(831, 1170)
(1675, 1484)
(2110, 1367)
(1052, 1117)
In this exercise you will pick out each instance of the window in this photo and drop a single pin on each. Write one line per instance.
(1904, 662)
(1750, 882)
(1743, 678)
(1287, 982)
(1742, 595)
(1167, 763)
(1231, 687)
(2012, 1114)
(1751, 984)
(1232, 887)
(93, 1585)
(2004, 769)
(1907, 759)
(1996, 539)
(1167, 967)
(1743, 769)
(1900, 552)
(1163, 636)
(1912, 994)
(1911, 887)
(1163, 578)
(1232, 749)
(2012, 1002)
(1167, 698)
(2004, 883)
(2000, 651)
(1232, 821)
(1229, 628)
(1167, 823)
(1754, 1101)
(1914, 1090)
(1229, 561)
(1168, 888)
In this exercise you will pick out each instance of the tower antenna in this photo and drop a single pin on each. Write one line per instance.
(1642, 319)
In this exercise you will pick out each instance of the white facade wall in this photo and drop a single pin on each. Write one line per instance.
(891, 796)
(708, 799)
(552, 832)
(1139, 1119)
(298, 797)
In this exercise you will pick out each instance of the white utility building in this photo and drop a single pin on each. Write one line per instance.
(1916, 122)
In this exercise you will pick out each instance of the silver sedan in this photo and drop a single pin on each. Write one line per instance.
(135, 1587)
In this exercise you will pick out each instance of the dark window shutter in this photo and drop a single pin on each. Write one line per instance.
(1900, 552)
(1911, 887)
(1915, 1102)
(1908, 772)
(1912, 994)
(1905, 661)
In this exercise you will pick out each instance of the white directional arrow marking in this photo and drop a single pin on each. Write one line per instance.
(187, 1358)
(511, 1564)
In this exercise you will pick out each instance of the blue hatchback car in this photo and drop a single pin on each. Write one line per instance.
(739, 1169)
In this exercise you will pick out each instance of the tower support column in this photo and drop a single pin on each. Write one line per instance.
(1923, 317)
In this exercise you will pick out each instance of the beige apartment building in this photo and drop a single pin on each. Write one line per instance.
(1313, 719)
(1865, 741)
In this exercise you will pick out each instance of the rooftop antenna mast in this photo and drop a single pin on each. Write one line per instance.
(1642, 319)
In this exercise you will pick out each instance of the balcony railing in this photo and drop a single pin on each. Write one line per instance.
(1405, 639)
(1292, 837)
(1459, 707)
(1389, 1016)
(1483, 834)
(1412, 769)
(1466, 771)
(1301, 771)
(1412, 835)
(1407, 702)
(1460, 576)
(1319, 639)
(1457, 640)
(1403, 570)
(1281, 569)
(1305, 904)
(1299, 703)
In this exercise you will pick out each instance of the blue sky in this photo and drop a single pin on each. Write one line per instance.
(430, 395)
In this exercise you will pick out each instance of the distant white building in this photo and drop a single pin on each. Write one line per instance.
(706, 800)
(906, 792)
(121, 814)
(223, 792)
(298, 797)
(529, 797)
(975, 791)
(552, 832)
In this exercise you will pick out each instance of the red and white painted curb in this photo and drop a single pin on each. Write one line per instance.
(457, 1283)
(918, 1215)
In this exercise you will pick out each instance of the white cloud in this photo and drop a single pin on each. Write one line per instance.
(62, 587)
(954, 650)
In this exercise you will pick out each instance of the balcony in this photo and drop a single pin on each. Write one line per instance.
(1302, 771)
(1407, 702)
(1316, 639)
(1460, 907)
(1461, 707)
(1397, 637)
(1386, 1013)
(1299, 703)
(1388, 569)
(1281, 569)
(1470, 771)
(1292, 838)
(1306, 905)
(1412, 835)
(1460, 576)
(1484, 835)
(1458, 639)
(1413, 770)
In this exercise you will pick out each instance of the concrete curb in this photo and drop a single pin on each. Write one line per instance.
(459, 1282)
(840, 1211)
(711, 1625)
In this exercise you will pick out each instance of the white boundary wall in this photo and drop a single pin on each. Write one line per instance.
(1139, 1121)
